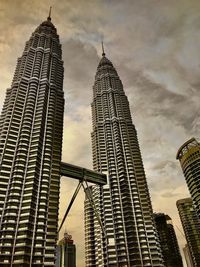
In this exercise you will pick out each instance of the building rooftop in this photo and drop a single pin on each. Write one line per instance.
(186, 147)
(184, 200)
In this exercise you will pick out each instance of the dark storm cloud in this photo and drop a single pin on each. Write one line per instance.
(153, 99)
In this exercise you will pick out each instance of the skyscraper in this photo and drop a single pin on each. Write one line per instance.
(30, 153)
(188, 257)
(66, 252)
(191, 227)
(128, 236)
(168, 240)
(189, 157)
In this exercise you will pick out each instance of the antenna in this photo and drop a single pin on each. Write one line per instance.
(49, 17)
(103, 52)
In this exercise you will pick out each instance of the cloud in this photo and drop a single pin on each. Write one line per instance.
(80, 58)
(76, 143)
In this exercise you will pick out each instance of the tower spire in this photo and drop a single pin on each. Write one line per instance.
(103, 52)
(49, 17)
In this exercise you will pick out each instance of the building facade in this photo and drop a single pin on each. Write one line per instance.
(168, 240)
(31, 126)
(191, 227)
(189, 157)
(188, 257)
(66, 252)
(127, 236)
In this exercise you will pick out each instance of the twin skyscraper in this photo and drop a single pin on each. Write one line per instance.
(31, 128)
(124, 203)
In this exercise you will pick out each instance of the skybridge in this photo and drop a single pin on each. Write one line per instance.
(84, 176)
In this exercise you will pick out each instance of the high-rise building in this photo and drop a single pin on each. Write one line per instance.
(191, 227)
(91, 225)
(188, 257)
(127, 236)
(66, 252)
(168, 240)
(31, 128)
(189, 157)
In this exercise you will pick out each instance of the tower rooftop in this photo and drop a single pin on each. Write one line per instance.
(104, 61)
(48, 22)
(186, 147)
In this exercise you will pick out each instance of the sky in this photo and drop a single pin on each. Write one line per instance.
(154, 45)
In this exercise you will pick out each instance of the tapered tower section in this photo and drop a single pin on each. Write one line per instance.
(129, 237)
(30, 153)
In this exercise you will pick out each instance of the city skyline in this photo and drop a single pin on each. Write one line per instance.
(177, 113)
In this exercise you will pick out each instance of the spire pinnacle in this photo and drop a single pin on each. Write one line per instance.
(103, 52)
(49, 17)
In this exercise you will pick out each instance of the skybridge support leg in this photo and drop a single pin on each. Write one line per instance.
(70, 205)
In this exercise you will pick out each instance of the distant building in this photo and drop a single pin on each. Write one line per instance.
(189, 157)
(191, 227)
(188, 257)
(168, 240)
(66, 252)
